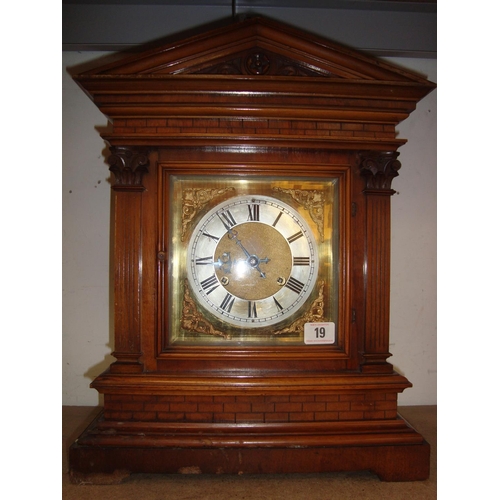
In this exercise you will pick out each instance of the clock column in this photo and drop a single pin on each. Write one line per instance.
(128, 166)
(378, 169)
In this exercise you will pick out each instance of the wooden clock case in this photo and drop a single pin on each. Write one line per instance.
(252, 97)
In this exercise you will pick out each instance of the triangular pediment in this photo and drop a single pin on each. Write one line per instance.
(254, 81)
(257, 47)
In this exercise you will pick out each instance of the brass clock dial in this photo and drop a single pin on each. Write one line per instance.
(252, 261)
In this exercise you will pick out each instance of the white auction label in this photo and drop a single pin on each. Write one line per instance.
(319, 333)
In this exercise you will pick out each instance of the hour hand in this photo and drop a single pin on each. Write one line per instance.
(254, 262)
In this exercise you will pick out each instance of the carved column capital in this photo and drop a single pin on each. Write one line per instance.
(379, 168)
(128, 165)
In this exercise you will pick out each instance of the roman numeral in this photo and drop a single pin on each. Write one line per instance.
(278, 305)
(301, 261)
(295, 236)
(227, 303)
(227, 219)
(203, 261)
(252, 309)
(208, 235)
(254, 212)
(294, 285)
(277, 219)
(209, 284)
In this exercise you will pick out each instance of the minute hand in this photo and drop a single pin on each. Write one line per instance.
(253, 260)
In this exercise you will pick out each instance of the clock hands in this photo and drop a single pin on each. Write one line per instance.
(252, 260)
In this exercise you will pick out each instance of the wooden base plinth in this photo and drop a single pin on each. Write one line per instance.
(108, 451)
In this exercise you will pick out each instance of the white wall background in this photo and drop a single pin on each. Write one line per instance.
(87, 329)
(414, 243)
(87, 332)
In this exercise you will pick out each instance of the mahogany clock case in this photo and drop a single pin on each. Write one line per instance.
(215, 373)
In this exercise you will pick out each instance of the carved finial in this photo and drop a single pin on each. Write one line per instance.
(379, 168)
(128, 165)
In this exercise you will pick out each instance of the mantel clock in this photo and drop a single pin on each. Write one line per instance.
(252, 181)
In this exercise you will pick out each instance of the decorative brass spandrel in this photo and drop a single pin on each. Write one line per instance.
(311, 200)
(191, 198)
(194, 200)
(194, 321)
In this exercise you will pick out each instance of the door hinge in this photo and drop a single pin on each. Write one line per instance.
(353, 315)
(354, 209)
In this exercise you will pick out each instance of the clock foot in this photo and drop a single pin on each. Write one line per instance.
(108, 451)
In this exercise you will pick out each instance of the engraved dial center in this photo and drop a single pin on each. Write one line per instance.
(254, 260)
